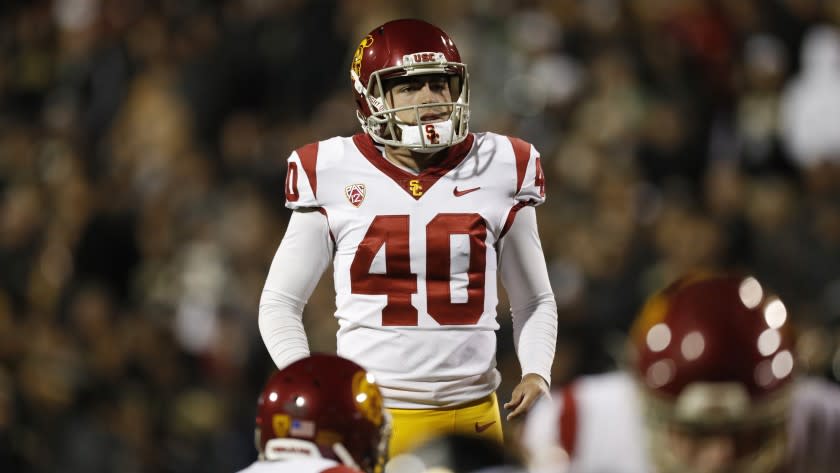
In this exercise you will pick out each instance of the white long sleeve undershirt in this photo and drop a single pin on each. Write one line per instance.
(532, 305)
(300, 261)
(306, 252)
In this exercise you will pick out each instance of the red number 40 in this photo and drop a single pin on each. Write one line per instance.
(399, 283)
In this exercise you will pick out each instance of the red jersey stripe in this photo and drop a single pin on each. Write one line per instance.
(308, 157)
(522, 152)
(568, 421)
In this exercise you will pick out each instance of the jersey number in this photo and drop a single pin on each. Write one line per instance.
(399, 283)
(539, 178)
(292, 194)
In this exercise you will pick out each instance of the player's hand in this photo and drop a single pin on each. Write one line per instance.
(525, 394)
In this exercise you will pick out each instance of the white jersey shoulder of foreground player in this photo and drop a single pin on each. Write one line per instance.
(598, 421)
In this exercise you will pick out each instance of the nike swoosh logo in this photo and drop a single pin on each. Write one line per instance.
(458, 193)
(482, 427)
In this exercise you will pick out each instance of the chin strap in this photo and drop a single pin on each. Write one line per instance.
(345, 457)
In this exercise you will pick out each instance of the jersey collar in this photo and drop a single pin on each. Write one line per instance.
(416, 185)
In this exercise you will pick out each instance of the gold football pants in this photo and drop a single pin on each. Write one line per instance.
(413, 426)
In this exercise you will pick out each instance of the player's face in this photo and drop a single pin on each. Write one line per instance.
(420, 90)
(714, 451)
(706, 454)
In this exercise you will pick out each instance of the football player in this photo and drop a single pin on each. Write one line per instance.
(418, 216)
(321, 414)
(711, 387)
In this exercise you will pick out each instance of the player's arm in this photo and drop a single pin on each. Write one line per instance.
(533, 308)
(300, 261)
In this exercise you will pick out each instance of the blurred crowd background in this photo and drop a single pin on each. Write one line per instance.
(142, 161)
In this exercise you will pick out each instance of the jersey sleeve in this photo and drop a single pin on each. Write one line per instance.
(307, 249)
(530, 180)
(302, 178)
(532, 305)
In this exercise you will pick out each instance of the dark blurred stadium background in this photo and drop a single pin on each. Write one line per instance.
(142, 158)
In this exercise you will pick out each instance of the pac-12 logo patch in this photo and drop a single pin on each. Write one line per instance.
(355, 194)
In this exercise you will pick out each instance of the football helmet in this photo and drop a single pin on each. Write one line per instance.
(323, 406)
(403, 48)
(713, 356)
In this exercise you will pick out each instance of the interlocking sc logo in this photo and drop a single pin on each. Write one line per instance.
(415, 187)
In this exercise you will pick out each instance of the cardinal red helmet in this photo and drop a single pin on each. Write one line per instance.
(326, 406)
(714, 354)
(402, 48)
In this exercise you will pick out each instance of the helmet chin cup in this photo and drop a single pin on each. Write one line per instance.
(384, 128)
(426, 138)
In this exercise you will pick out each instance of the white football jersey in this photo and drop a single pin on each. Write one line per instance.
(416, 257)
(598, 421)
